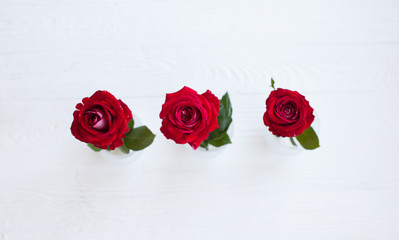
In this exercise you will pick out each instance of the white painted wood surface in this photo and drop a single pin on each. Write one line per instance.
(342, 55)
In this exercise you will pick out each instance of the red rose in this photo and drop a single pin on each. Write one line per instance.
(101, 120)
(188, 117)
(288, 113)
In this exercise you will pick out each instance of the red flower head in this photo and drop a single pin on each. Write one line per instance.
(288, 113)
(101, 120)
(188, 117)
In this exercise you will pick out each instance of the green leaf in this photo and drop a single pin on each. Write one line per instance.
(124, 149)
(225, 101)
(224, 118)
(96, 149)
(225, 113)
(131, 124)
(272, 81)
(308, 139)
(139, 138)
(292, 141)
(223, 139)
(204, 145)
(218, 132)
(219, 136)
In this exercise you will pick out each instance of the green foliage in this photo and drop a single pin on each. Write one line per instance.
(139, 138)
(205, 145)
(292, 141)
(308, 139)
(219, 137)
(272, 82)
(124, 149)
(96, 149)
(223, 139)
(131, 124)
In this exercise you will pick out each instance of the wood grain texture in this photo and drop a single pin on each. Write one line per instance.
(342, 55)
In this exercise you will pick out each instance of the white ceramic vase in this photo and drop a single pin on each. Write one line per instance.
(117, 156)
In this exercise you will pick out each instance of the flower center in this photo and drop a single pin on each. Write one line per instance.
(96, 118)
(188, 116)
(287, 110)
(92, 118)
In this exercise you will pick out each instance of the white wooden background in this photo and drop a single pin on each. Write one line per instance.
(342, 55)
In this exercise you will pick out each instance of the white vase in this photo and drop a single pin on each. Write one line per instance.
(282, 145)
(117, 156)
(210, 153)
